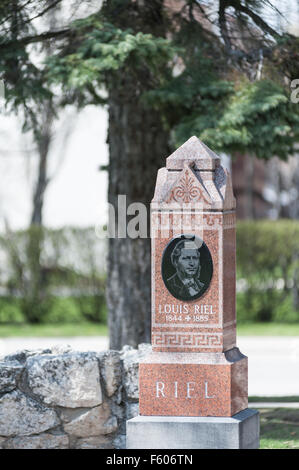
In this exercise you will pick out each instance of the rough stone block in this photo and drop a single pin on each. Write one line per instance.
(131, 358)
(92, 422)
(101, 442)
(111, 371)
(43, 441)
(70, 380)
(21, 415)
(2, 442)
(9, 374)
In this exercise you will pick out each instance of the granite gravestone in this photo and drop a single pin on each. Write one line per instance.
(193, 386)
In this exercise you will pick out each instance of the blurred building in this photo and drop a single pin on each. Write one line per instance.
(249, 176)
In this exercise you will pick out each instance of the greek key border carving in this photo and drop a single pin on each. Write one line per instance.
(186, 340)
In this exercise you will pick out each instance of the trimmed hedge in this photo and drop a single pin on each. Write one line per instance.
(53, 276)
(56, 276)
(268, 270)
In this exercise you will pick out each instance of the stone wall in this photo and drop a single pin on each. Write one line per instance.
(59, 398)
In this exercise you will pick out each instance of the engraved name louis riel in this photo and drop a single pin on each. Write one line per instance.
(185, 258)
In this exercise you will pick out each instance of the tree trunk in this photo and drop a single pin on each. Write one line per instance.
(33, 302)
(138, 145)
(43, 139)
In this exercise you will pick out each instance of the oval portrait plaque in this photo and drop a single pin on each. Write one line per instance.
(187, 267)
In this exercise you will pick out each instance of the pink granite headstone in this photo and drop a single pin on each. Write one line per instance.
(195, 368)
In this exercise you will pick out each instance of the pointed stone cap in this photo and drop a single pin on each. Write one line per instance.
(194, 175)
(194, 152)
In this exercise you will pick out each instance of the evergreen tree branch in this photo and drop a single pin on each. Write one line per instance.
(223, 4)
(239, 7)
(25, 41)
(258, 21)
(43, 12)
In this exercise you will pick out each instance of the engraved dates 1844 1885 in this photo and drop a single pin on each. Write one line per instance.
(187, 267)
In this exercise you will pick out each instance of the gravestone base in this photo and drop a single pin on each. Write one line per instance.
(192, 384)
(240, 431)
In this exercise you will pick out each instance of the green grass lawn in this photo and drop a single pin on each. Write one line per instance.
(54, 330)
(98, 329)
(279, 428)
(276, 399)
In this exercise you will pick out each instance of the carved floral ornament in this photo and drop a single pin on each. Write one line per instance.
(188, 190)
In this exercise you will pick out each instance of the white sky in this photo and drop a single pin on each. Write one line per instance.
(78, 193)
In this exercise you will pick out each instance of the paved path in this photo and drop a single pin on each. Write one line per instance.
(273, 364)
(273, 361)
